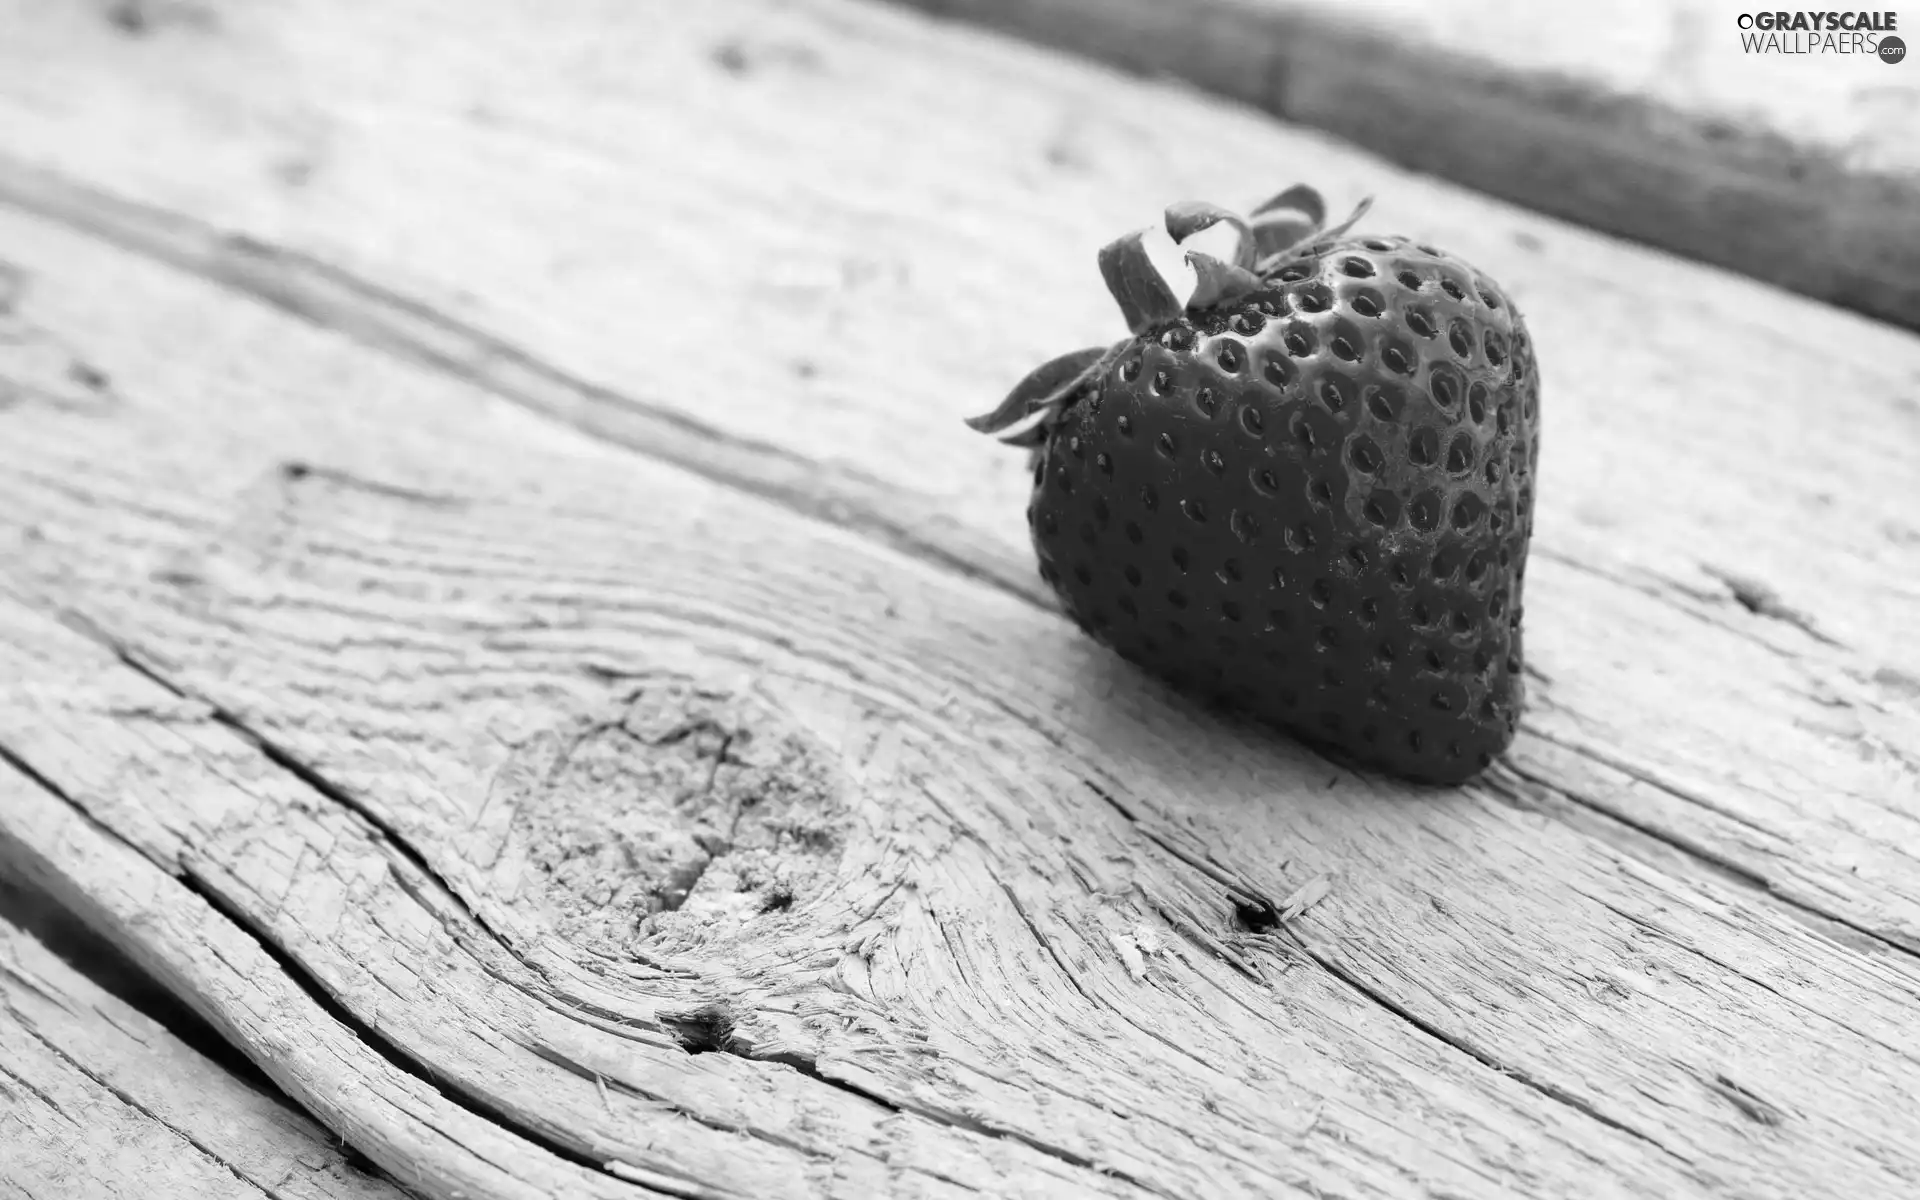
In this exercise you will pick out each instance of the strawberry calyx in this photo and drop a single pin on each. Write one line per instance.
(1281, 229)
(1046, 389)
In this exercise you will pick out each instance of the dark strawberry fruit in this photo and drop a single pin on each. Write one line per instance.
(1307, 490)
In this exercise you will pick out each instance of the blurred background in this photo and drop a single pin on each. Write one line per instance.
(1791, 154)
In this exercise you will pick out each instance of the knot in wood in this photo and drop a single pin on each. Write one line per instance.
(684, 815)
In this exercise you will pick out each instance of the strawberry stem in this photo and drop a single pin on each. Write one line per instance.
(1359, 210)
(1136, 284)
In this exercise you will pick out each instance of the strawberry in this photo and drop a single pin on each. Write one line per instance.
(1306, 490)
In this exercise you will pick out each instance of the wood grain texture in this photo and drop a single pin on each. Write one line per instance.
(1643, 118)
(403, 658)
(400, 1120)
(98, 1100)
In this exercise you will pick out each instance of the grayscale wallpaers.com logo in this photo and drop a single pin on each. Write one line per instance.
(1863, 33)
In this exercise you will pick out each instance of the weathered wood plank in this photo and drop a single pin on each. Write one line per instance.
(1651, 1002)
(41, 918)
(1644, 118)
(401, 1121)
(96, 1099)
(1693, 524)
(530, 1039)
(437, 627)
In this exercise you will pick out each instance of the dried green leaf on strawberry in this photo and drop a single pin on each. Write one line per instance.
(1305, 489)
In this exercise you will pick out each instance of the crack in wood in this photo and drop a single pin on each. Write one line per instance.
(31, 1088)
(313, 988)
(1366, 990)
(286, 761)
(673, 901)
(1667, 592)
(296, 471)
(1653, 929)
(605, 1085)
(1241, 891)
(107, 966)
(1046, 943)
(11, 969)
(619, 1085)
(383, 1045)
(1751, 1106)
(1718, 865)
(132, 1102)
(1260, 912)
(1642, 775)
(1762, 601)
(709, 1029)
(1551, 1091)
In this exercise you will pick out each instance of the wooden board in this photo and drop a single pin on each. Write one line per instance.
(1645, 118)
(339, 625)
(96, 1099)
